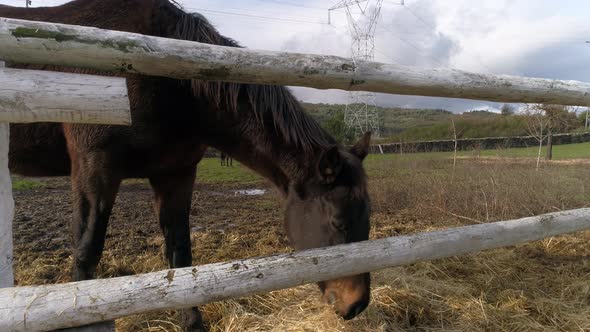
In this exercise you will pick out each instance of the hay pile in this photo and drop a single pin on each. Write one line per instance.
(540, 286)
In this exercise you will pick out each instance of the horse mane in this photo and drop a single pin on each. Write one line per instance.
(270, 103)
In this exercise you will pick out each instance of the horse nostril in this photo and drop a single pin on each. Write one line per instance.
(355, 309)
(358, 310)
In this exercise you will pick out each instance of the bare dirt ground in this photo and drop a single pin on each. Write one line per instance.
(42, 226)
(541, 286)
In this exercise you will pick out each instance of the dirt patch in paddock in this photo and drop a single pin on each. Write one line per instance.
(42, 229)
(541, 286)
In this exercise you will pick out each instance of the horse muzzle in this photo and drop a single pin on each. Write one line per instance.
(349, 295)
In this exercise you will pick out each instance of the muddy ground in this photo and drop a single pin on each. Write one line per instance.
(43, 215)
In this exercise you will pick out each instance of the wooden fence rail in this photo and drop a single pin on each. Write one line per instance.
(43, 308)
(68, 45)
(46, 96)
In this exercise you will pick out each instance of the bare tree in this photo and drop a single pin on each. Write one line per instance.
(455, 138)
(456, 135)
(545, 120)
(537, 124)
(507, 109)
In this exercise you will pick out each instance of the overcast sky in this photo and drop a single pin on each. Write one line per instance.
(538, 38)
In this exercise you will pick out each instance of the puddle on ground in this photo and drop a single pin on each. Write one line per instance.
(250, 192)
(219, 228)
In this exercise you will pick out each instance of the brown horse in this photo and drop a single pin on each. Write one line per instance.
(263, 127)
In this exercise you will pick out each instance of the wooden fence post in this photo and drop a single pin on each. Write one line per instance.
(6, 210)
(549, 147)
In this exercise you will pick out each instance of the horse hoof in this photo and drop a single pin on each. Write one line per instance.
(108, 326)
(192, 320)
(196, 327)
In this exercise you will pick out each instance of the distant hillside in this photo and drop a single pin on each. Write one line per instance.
(403, 124)
(393, 120)
(409, 124)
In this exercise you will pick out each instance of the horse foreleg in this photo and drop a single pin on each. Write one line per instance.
(172, 204)
(94, 194)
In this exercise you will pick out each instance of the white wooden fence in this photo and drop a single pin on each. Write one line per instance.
(38, 308)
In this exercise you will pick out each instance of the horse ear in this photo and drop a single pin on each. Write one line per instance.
(361, 148)
(329, 165)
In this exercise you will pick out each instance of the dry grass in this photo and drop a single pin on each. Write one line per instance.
(540, 286)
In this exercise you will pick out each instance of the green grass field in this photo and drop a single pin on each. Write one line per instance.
(25, 184)
(210, 170)
(566, 151)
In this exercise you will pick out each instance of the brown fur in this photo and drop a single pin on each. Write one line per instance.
(263, 127)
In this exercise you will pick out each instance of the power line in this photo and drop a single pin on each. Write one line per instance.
(255, 16)
(286, 3)
(434, 29)
(420, 18)
(13, 2)
(255, 11)
(397, 62)
(421, 51)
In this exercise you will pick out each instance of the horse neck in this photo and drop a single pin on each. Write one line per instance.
(261, 148)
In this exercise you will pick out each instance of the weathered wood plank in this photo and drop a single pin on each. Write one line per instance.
(45, 96)
(6, 210)
(42, 308)
(47, 43)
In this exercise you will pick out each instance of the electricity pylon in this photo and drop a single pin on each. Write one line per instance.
(361, 113)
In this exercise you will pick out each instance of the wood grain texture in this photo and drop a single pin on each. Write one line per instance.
(6, 212)
(58, 44)
(45, 96)
(6, 209)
